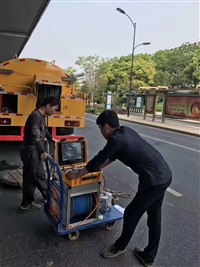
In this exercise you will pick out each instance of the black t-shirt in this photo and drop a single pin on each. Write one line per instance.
(131, 149)
(35, 132)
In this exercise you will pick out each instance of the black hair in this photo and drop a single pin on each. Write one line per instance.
(50, 100)
(109, 117)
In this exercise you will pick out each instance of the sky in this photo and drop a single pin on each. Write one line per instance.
(70, 29)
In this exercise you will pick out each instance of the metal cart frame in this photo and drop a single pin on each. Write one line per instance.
(108, 218)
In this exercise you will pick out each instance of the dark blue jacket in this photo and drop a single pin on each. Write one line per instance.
(131, 149)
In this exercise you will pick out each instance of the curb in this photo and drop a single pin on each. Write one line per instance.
(162, 127)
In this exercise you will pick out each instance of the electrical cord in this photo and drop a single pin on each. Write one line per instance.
(117, 194)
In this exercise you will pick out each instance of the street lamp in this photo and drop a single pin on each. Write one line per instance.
(132, 58)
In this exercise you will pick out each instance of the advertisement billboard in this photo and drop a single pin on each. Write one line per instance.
(183, 106)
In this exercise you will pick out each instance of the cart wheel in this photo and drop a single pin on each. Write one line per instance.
(114, 200)
(73, 236)
(109, 226)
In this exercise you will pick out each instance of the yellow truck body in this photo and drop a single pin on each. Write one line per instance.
(25, 82)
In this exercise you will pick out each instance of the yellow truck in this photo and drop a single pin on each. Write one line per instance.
(24, 83)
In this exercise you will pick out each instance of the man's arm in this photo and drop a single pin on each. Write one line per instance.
(35, 124)
(48, 135)
(84, 171)
(76, 174)
(101, 160)
(106, 163)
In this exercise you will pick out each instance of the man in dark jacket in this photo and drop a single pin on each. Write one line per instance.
(154, 174)
(33, 152)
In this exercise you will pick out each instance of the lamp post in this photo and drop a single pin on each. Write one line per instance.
(132, 58)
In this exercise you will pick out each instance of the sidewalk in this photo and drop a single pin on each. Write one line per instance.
(180, 126)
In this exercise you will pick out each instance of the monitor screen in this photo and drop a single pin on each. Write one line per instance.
(71, 152)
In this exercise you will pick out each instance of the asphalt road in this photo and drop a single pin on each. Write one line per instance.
(28, 240)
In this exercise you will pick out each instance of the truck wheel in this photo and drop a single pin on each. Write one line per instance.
(73, 236)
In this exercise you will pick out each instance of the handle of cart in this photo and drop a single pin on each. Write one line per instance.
(52, 167)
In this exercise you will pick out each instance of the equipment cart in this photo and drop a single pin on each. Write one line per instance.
(72, 208)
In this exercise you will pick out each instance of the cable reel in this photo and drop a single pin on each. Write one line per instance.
(81, 205)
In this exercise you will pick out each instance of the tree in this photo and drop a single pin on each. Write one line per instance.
(163, 72)
(144, 71)
(192, 71)
(70, 70)
(174, 65)
(101, 82)
(162, 78)
(90, 65)
(116, 73)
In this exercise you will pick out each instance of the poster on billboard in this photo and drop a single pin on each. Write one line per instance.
(109, 100)
(183, 106)
(149, 104)
(133, 101)
(139, 102)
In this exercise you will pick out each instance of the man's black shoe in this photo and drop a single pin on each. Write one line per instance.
(30, 207)
(111, 252)
(139, 255)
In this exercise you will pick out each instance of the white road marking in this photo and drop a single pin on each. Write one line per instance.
(170, 190)
(171, 143)
(173, 192)
(90, 120)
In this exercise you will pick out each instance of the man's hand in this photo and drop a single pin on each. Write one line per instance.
(72, 175)
(44, 156)
(76, 174)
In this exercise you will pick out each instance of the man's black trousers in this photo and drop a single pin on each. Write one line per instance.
(150, 201)
(33, 175)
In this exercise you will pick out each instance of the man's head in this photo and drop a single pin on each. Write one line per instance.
(50, 105)
(107, 122)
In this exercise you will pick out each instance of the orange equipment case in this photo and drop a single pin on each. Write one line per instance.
(71, 154)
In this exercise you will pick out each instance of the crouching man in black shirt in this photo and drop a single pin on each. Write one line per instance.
(33, 152)
(154, 175)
